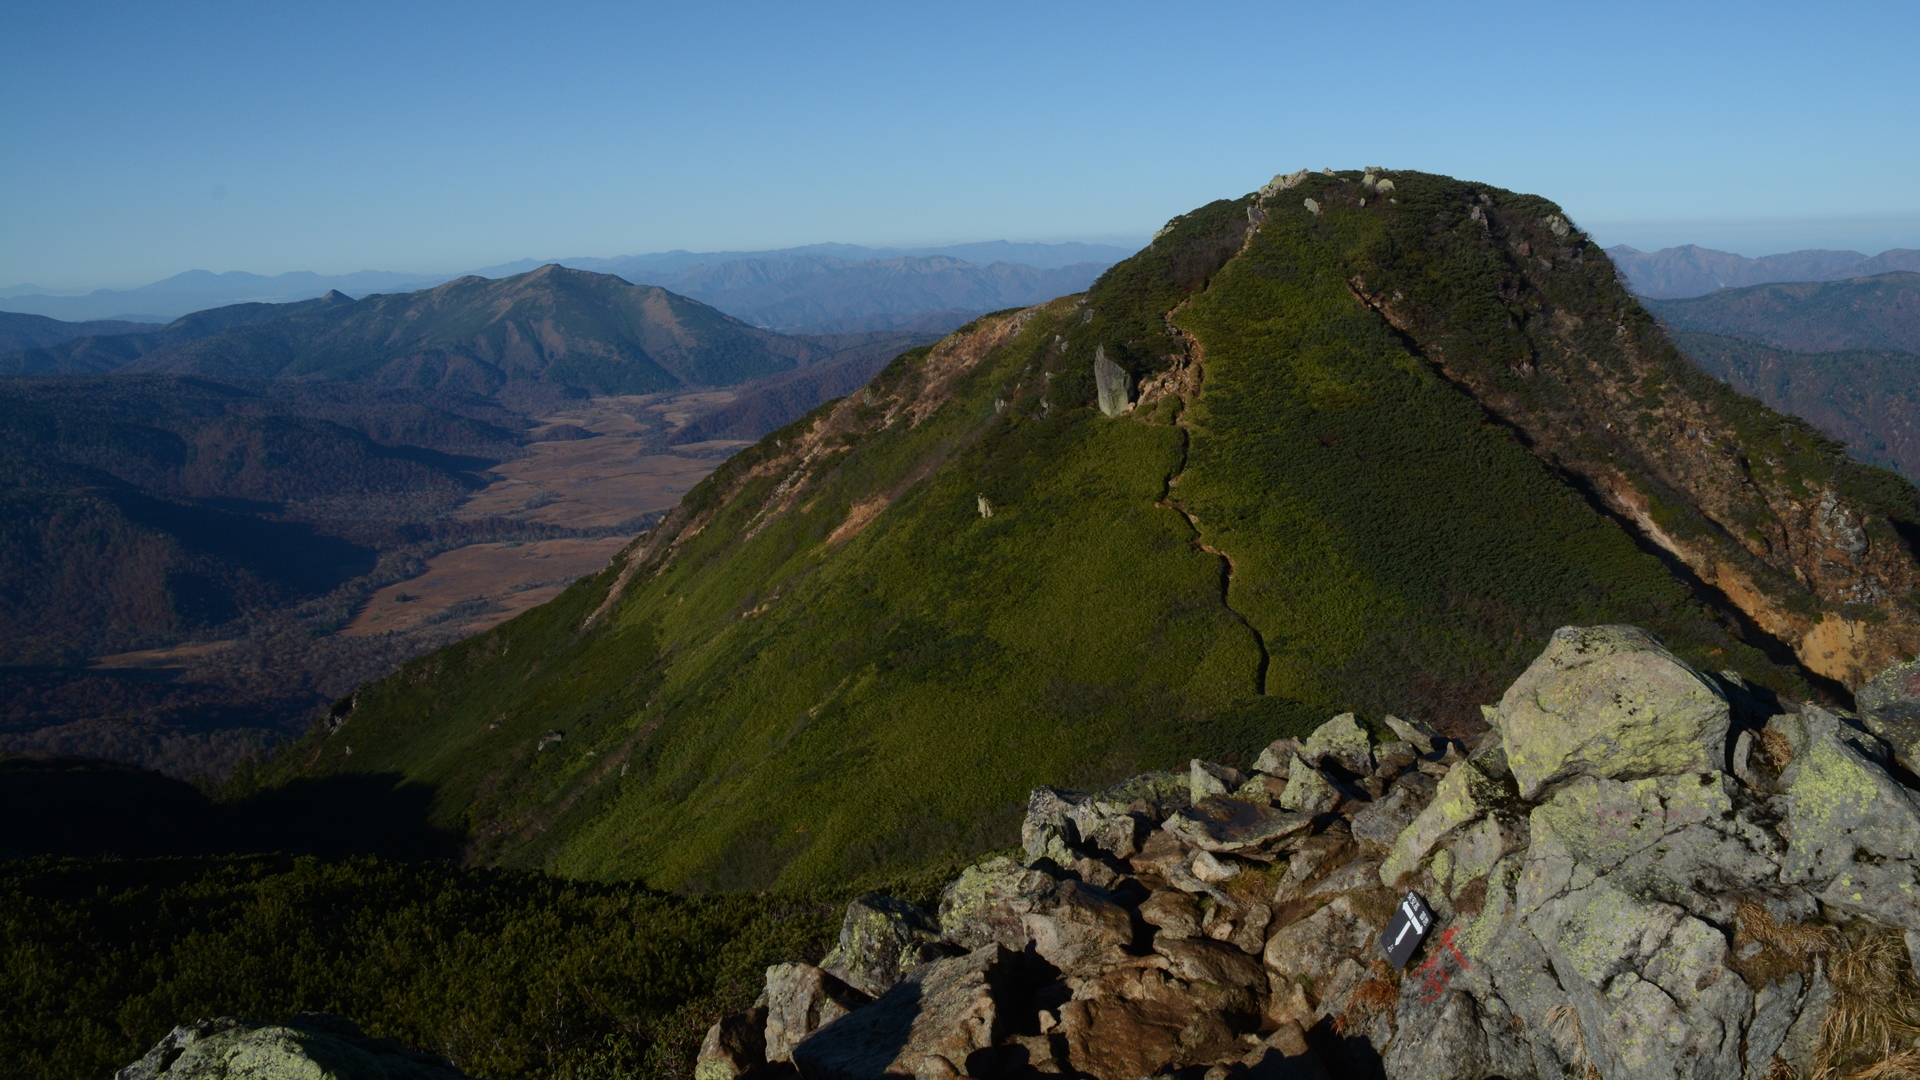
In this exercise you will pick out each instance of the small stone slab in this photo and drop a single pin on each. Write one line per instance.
(1235, 826)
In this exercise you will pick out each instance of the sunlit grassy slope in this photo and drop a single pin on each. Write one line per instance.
(779, 697)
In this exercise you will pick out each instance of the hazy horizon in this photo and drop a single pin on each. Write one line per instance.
(141, 142)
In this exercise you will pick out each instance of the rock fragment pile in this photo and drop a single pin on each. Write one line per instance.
(1629, 878)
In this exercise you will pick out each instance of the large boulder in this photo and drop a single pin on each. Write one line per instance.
(1342, 741)
(1078, 928)
(311, 1046)
(1137, 1020)
(1853, 830)
(989, 902)
(928, 1025)
(881, 938)
(1610, 701)
(1112, 384)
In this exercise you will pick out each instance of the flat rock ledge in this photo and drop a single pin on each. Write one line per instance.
(1640, 871)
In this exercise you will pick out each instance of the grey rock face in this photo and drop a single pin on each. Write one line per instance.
(1113, 384)
(1048, 830)
(1343, 741)
(1078, 928)
(1308, 791)
(1610, 701)
(881, 938)
(1854, 830)
(311, 1046)
(1383, 820)
(802, 999)
(928, 1024)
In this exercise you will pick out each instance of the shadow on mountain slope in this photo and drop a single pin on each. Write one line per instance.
(82, 808)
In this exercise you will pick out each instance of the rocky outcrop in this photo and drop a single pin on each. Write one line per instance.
(1628, 878)
(311, 1046)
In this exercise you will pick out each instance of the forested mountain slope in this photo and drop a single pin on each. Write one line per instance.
(1379, 441)
(1867, 398)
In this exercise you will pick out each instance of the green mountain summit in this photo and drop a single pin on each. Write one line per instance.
(1373, 437)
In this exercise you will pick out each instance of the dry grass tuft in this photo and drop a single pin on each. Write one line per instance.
(1371, 998)
(1796, 941)
(1904, 1065)
(1778, 750)
(1869, 1032)
(1564, 1021)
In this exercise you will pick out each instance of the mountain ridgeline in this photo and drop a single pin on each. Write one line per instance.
(551, 325)
(1368, 441)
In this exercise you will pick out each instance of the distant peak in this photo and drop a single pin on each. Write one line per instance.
(335, 296)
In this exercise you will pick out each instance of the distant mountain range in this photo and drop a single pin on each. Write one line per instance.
(552, 325)
(1844, 355)
(1696, 271)
(821, 288)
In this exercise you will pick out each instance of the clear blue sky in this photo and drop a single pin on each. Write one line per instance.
(140, 140)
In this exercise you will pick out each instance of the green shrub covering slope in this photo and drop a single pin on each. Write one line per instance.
(509, 974)
(829, 662)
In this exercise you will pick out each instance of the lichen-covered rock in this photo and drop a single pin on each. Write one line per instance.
(1343, 741)
(988, 901)
(1235, 826)
(1464, 795)
(1890, 707)
(800, 1000)
(942, 1010)
(1679, 839)
(1610, 701)
(733, 1046)
(1309, 792)
(1854, 831)
(311, 1046)
(880, 939)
